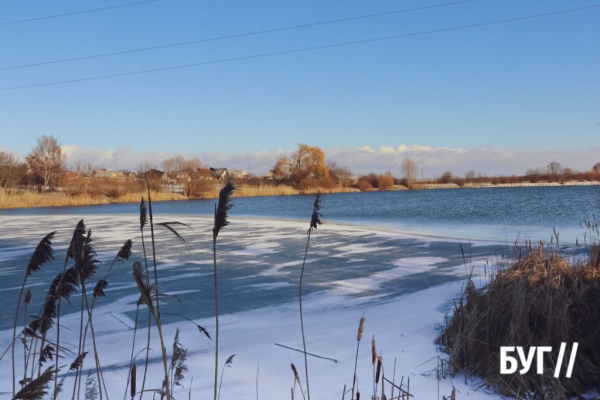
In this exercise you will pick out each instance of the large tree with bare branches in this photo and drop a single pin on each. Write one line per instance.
(46, 160)
(10, 169)
(409, 172)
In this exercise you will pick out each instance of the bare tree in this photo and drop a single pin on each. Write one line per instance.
(9, 169)
(84, 168)
(46, 160)
(184, 171)
(145, 166)
(180, 163)
(446, 177)
(409, 171)
(339, 173)
(470, 176)
(554, 168)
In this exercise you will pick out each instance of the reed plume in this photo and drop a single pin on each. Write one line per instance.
(374, 361)
(178, 366)
(133, 378)
(99, 288)
(224, 205)
(91, 388)
(144, 287)
(86, 265)
(78, 362)
(37, 388)
(143, 222)
(378, 373)
(125, 251)
(45, 322)
(58, 388)
(143, 214)
(26, 301)
(296, 380)
(359, 335)
(41, 255)
(77, 232)
(315, 221)
(221, 221)
(228, 364)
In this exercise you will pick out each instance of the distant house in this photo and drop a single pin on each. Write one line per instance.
(220, 173)
(155, 175)
(204, 174)
(70, 175)
(347, 179)
(239, 174)
(180, 176)
(269, 176)
(107, 174)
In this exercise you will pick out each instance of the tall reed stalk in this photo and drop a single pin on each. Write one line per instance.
(79, 229)
(143, 222)
(315, 221)
(157, 312)
(221, 221)
(86, 266)
(359, 335)
(42, 254)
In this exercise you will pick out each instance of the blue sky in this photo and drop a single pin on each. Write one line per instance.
(528, 85)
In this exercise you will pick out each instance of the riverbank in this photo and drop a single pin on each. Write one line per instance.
(19, 199)
(426, 186)
(31, 199)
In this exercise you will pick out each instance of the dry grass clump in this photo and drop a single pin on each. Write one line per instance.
(541, 300)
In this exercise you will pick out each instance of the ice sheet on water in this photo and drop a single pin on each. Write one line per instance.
(259, 265)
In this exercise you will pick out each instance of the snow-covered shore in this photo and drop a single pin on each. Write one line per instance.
(402, 284)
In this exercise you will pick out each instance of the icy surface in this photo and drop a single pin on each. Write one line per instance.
(403, 285)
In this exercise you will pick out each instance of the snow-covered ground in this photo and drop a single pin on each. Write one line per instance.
(402, 284)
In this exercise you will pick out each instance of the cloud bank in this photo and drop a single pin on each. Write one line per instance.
(433, 160)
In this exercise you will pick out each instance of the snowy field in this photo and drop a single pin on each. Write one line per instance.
(402, 284)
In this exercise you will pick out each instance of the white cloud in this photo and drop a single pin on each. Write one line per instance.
(433, 160)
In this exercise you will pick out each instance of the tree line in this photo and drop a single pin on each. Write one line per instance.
(45, 167)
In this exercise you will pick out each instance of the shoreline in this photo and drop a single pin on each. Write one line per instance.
(27, 199)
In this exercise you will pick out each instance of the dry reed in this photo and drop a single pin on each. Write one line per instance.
(540, 300)
(28, 199)
(220, 222)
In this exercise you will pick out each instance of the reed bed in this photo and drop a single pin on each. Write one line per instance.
(28, 199)
(542, 299)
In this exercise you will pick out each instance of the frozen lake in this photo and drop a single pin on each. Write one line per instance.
(403, 284)
(379, 254)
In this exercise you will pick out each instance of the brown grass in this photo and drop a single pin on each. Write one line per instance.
(29, 198)
(26, 199)
(541, 300)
